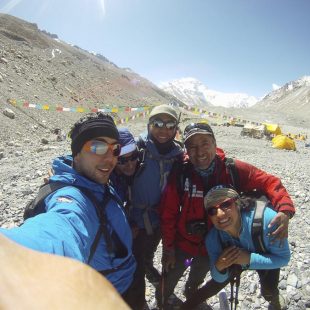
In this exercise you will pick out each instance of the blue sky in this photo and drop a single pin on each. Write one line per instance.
(229, 45)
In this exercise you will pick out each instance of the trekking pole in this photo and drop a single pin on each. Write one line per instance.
(231, 299)
(162, 288)
(237, 278)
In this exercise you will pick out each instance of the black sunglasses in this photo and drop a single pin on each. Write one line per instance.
(158, 123)
(122, 160)
(225, 206)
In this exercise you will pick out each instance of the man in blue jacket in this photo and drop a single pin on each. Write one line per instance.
(160, 151)
(70, 223)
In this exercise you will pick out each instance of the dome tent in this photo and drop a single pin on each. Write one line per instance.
(283, 142)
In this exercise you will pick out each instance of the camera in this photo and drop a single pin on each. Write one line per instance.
(196, 228)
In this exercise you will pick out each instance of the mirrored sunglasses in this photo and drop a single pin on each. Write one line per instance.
(122, 160)
(158, 123)
(101, 148)
(225, 206)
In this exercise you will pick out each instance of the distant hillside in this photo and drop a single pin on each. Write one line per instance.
(194, 93)
(36, 66)
(292, 101)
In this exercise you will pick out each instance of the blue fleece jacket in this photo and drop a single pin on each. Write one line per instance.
(70, 223)
(275, 257)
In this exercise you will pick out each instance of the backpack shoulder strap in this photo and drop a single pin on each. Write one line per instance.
(182, 176)
(231, 167)
(103, 229)
(142, 153)
(36, 205)
(257, 226)
(47, 189)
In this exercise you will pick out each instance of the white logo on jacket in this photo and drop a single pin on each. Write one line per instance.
(64, 199)
(194, 191)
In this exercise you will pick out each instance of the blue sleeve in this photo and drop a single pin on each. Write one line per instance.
(67, 228)
(214, 247)
(277, 256)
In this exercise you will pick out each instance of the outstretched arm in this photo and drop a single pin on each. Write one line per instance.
(252, 178)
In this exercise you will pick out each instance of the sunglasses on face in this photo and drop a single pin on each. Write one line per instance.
(158, 123)
(101, 148)
(224, 206)
(122, 160)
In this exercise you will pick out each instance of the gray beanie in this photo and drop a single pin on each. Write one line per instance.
(217, 194)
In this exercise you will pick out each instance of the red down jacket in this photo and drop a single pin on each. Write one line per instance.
(175, 214)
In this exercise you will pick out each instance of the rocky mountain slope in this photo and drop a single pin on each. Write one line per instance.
(38, 68)
(291, 100)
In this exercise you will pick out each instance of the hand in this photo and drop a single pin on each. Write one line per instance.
(50, 172)
(168, 261)
(281, 220)
(227, 258)
(243, 258)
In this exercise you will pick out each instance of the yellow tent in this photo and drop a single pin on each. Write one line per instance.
(283, 142)
(273, 129)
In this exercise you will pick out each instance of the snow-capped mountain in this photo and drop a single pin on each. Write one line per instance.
(291, 101)
(193, 92)
(290, 94)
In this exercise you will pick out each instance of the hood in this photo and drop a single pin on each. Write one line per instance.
(65, 173)
(151, 147)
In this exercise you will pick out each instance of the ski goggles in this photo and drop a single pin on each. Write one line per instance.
(101, 147)
(158, 123)
(224, 206)
(122, 160)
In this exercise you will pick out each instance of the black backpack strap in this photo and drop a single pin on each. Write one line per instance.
(231, 167)
(257, 226)
(179, 169)
(35, 207)
(142, 153)
(113, 242)
(47, 189)
(103, 229)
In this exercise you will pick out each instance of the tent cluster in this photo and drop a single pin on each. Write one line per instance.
(274, 133)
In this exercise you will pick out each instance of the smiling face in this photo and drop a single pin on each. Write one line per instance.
(163, 134)
(128, 164)
(225, 215)
(201, 149)
(96, 167)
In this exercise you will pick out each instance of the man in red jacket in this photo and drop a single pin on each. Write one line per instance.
(183, 218)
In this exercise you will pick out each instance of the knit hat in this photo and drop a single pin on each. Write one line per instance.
(127, 141)
(219, 193)
(197, 128)
(90, 127)
(164, 109)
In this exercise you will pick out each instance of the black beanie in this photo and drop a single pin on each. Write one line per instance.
(101, 126)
